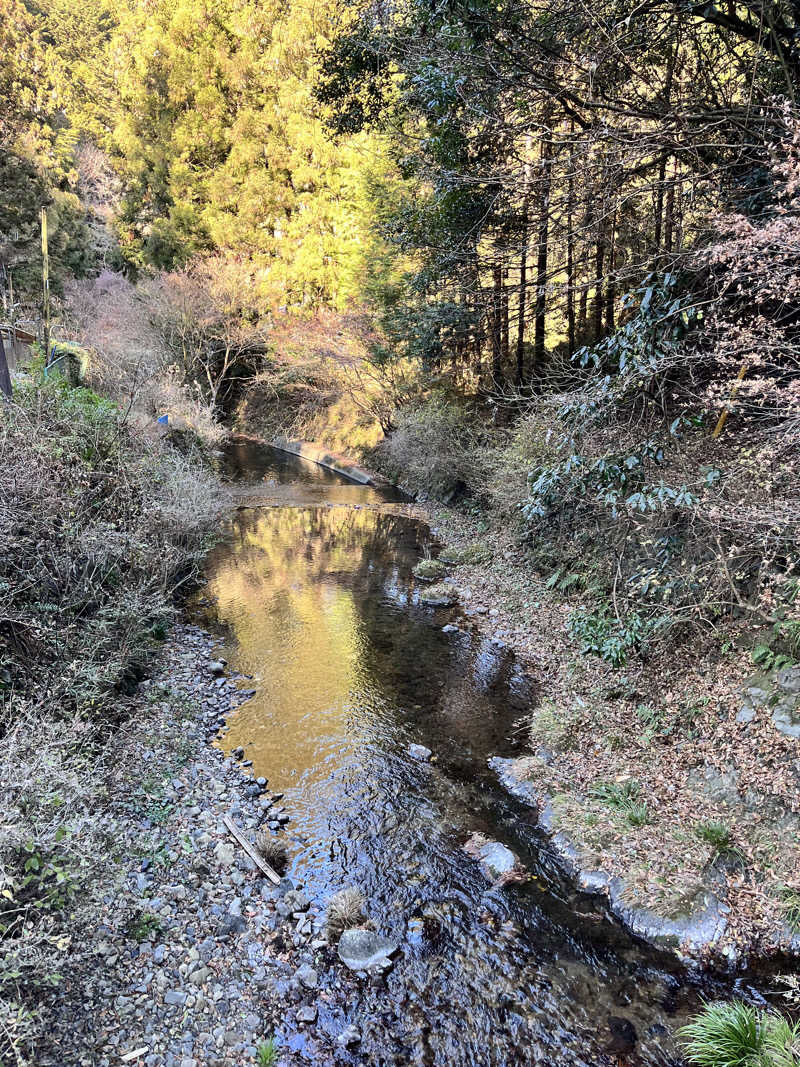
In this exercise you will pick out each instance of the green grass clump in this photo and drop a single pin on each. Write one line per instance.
(791, 907)
(616, 794)
(624, 798)
(144, 927)
(267, 1053)
(554, 726)
(637, 813)
(738, 1035)
(430, 570)
(716, 834)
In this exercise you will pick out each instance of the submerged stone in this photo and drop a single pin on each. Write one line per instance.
(361, 949)
(419, 752)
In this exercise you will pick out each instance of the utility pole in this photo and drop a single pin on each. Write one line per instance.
(45, 289)
(5, 377)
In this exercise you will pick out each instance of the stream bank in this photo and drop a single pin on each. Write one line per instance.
(669, 786)
(190, 962)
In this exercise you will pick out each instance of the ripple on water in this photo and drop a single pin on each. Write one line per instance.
(318, 603)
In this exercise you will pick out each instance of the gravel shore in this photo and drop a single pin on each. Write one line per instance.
(195, 957)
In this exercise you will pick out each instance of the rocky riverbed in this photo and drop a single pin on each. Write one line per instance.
(195, 959)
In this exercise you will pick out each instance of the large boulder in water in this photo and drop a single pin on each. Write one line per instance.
(361, 949)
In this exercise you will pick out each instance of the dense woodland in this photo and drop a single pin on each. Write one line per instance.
(561, 235)
(535, 259)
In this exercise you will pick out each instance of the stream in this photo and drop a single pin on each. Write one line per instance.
(311, 589)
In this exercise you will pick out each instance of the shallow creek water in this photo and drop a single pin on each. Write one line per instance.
(314, 595)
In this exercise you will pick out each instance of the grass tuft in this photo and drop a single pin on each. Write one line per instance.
(735, 1034)
(273, 849)
(717, 834)
(345, 910)
(624, 798)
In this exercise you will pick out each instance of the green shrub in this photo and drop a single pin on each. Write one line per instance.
(738, 1035)
(610, 638)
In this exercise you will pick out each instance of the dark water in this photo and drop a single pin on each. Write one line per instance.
(320, 606)
(284, 477)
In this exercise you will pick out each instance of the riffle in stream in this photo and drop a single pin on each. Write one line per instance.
(313, 593)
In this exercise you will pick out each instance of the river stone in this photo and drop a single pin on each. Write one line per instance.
(350, 1036)
(361, 949)
(496, 860)
(216, 666)
(307, 976)
(419, 752)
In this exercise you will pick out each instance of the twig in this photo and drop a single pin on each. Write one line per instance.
(250, 850)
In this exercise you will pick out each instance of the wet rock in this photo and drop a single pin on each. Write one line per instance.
(498, 863)
(307, 976)
(420, 752)
(348, 1037)
(786, 713)
(623, 1035)
(361, 949)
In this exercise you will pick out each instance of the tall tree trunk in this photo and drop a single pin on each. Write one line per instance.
(611, 288)
(523, 281)
(5, 377)
(583, 313)
(669, 221)
(662, 163)
(571, 343)
(540, 313)
(495, 326)
(599, 264)
(523, 269)
(659, 206)
(506, 339)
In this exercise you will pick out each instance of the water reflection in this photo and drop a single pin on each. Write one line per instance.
(285, 478)
(319, 605)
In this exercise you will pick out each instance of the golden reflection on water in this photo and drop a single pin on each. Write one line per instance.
(283, 585)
